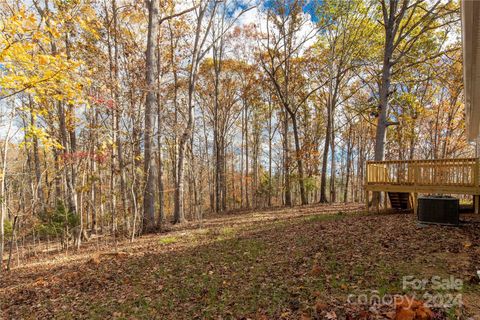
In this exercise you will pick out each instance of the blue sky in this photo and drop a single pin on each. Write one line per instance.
(308, 7)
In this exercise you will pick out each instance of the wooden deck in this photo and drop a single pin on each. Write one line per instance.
(442, 176)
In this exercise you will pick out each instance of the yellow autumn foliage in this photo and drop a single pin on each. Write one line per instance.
(35, 61)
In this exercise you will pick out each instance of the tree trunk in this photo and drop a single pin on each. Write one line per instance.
(286, 162)
(326, 147)
(113, 158)
(298, 151)
(179, 214)
(117, 114)
(382, 122)
(270, 138)
(149, 192)
(3, 205)
(161, 200)
(349, 163)
(161, 197)
(247, 171)
(333, 173)
(36, 162)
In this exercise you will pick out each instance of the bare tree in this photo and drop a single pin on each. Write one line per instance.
(281, 47)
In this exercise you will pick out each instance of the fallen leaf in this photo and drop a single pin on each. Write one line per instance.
(405, 314)
(320, 306)
(316, 270)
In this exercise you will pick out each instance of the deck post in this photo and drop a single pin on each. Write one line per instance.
(367, 193)
(415, 203)
(385, 200)
(476, 172)
(476, 203)
(367, 204)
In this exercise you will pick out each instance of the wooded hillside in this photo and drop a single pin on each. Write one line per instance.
(206, 159)
(120, 117)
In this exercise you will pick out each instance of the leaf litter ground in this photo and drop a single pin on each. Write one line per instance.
(298, 263)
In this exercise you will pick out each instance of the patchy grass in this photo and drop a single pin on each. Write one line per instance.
(167, 240)
(326, 217)
(227, 232)
(275, 269)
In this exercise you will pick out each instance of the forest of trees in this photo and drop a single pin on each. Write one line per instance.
(122, 116)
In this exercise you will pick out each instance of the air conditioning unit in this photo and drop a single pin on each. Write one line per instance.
(438, 210)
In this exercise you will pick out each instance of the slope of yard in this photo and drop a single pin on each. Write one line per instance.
(291, 264)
